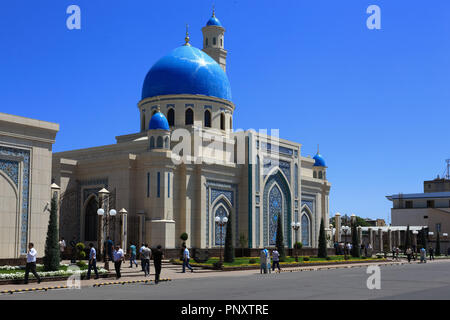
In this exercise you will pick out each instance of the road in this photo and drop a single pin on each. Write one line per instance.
(408, 281)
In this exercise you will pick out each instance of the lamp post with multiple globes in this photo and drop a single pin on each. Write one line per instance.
(221, 222)
(296, 227)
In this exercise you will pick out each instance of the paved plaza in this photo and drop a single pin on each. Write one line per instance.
(398, 281)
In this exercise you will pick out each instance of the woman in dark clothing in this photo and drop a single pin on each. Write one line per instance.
(157, 259)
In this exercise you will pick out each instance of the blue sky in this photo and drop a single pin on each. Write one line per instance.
(377, 101)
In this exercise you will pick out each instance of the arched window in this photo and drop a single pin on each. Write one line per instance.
(206, 42)
(320, 174)
(214, 41)
(207, 119)
(314, 174)
(152, 142)
(159, 142)
(275, 211)
(221, 43)
(305, 225)
(171, 117)
(189, 117)
(222, 121)
(231, 123)
(166, 143)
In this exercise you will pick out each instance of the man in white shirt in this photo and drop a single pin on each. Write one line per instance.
(146, 254)
(118, 257)
(31, 263)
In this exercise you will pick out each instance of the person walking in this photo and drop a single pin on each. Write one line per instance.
(157, 261)
(408, 254)
(265, 260)
(62, 247)
(276, 260)
(146, 254)
(186, 258)
(141, 257)
(92, 262)
(431, 252)
(110, 249)
(397, 252)
(118, 258)
(423, 255)
(31, 263)
(73, 245)
(133, 255)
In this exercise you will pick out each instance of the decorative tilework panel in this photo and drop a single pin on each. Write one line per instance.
(275, 209)
(306, 226)
(257, 225)
(11, 169)
(24, 155)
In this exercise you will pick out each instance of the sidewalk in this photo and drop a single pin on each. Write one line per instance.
(173, 272)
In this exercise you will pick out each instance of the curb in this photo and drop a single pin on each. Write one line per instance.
(126, 282)
(33, 289)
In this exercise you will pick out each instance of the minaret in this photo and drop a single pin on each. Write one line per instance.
(213, 41)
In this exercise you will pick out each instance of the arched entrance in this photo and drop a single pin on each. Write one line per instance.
(91, 219)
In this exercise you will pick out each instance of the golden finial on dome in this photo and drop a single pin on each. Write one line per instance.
(158, 108)
(187, 36)
(214, 10)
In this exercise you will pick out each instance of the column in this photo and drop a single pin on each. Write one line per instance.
(389, 235)
(141, 236)
(123, 229)
(371, 237)
(380, 239)
(399, 237)
(360, 235)
(337, 223)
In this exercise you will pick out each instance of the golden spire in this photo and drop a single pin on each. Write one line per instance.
(317, 148)
(214, 10)
(187, 36)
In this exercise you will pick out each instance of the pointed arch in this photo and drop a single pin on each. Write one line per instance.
(152, 142)
(306, 226)
(91, 218)
(222, 121)
(221, 208)
(171, 117)
(159, 142)
(189, 117)
(272, 209)
(207, 120)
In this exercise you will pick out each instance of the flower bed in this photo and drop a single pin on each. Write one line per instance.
(7, 272)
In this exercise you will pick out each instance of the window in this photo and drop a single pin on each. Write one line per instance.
(158, 184)
(171, 117)
(438, 227)
(408, 204)
(430, 203)
(320, 175)
(143, 123)
(166, 143)
(206, 42)
(207, 119)
(222, 121)
(189, 117)
(221, 42)
(159, 142)
(231, 123)
(314, 174)
(214, 41)
(258, 173)
(152, 142)
(305, 227)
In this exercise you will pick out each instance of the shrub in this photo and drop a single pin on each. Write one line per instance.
(305, 258)
(217, 265)
(184, 236)
(298, 245)
(81, 264)
(51, 257)
(282, 259)
(252, 261)
(328, 258)
(80, 251)
(363, 257)
(322, 251)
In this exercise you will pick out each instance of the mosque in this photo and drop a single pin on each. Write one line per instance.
(253, 179)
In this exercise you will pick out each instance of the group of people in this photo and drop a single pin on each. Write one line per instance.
(265, 260)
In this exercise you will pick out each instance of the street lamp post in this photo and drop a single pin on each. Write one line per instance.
(104, 217)
(296, 227)
(221, 222)
(345, 230)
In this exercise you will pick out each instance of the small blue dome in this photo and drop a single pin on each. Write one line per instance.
(214, 22)
(158, 121)
(187, 70)
(320, 162)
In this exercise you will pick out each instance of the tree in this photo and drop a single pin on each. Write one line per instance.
(438, 245)
(280, 240)
(407, 239)
(229, 248)
(51, 257)
(322, 252)
(423, 240)
(355, 242)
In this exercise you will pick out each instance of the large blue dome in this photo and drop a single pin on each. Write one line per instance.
(320, 161)
(158, 121)
(186, 70)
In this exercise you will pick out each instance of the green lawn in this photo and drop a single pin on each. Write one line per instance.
(244, 261)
